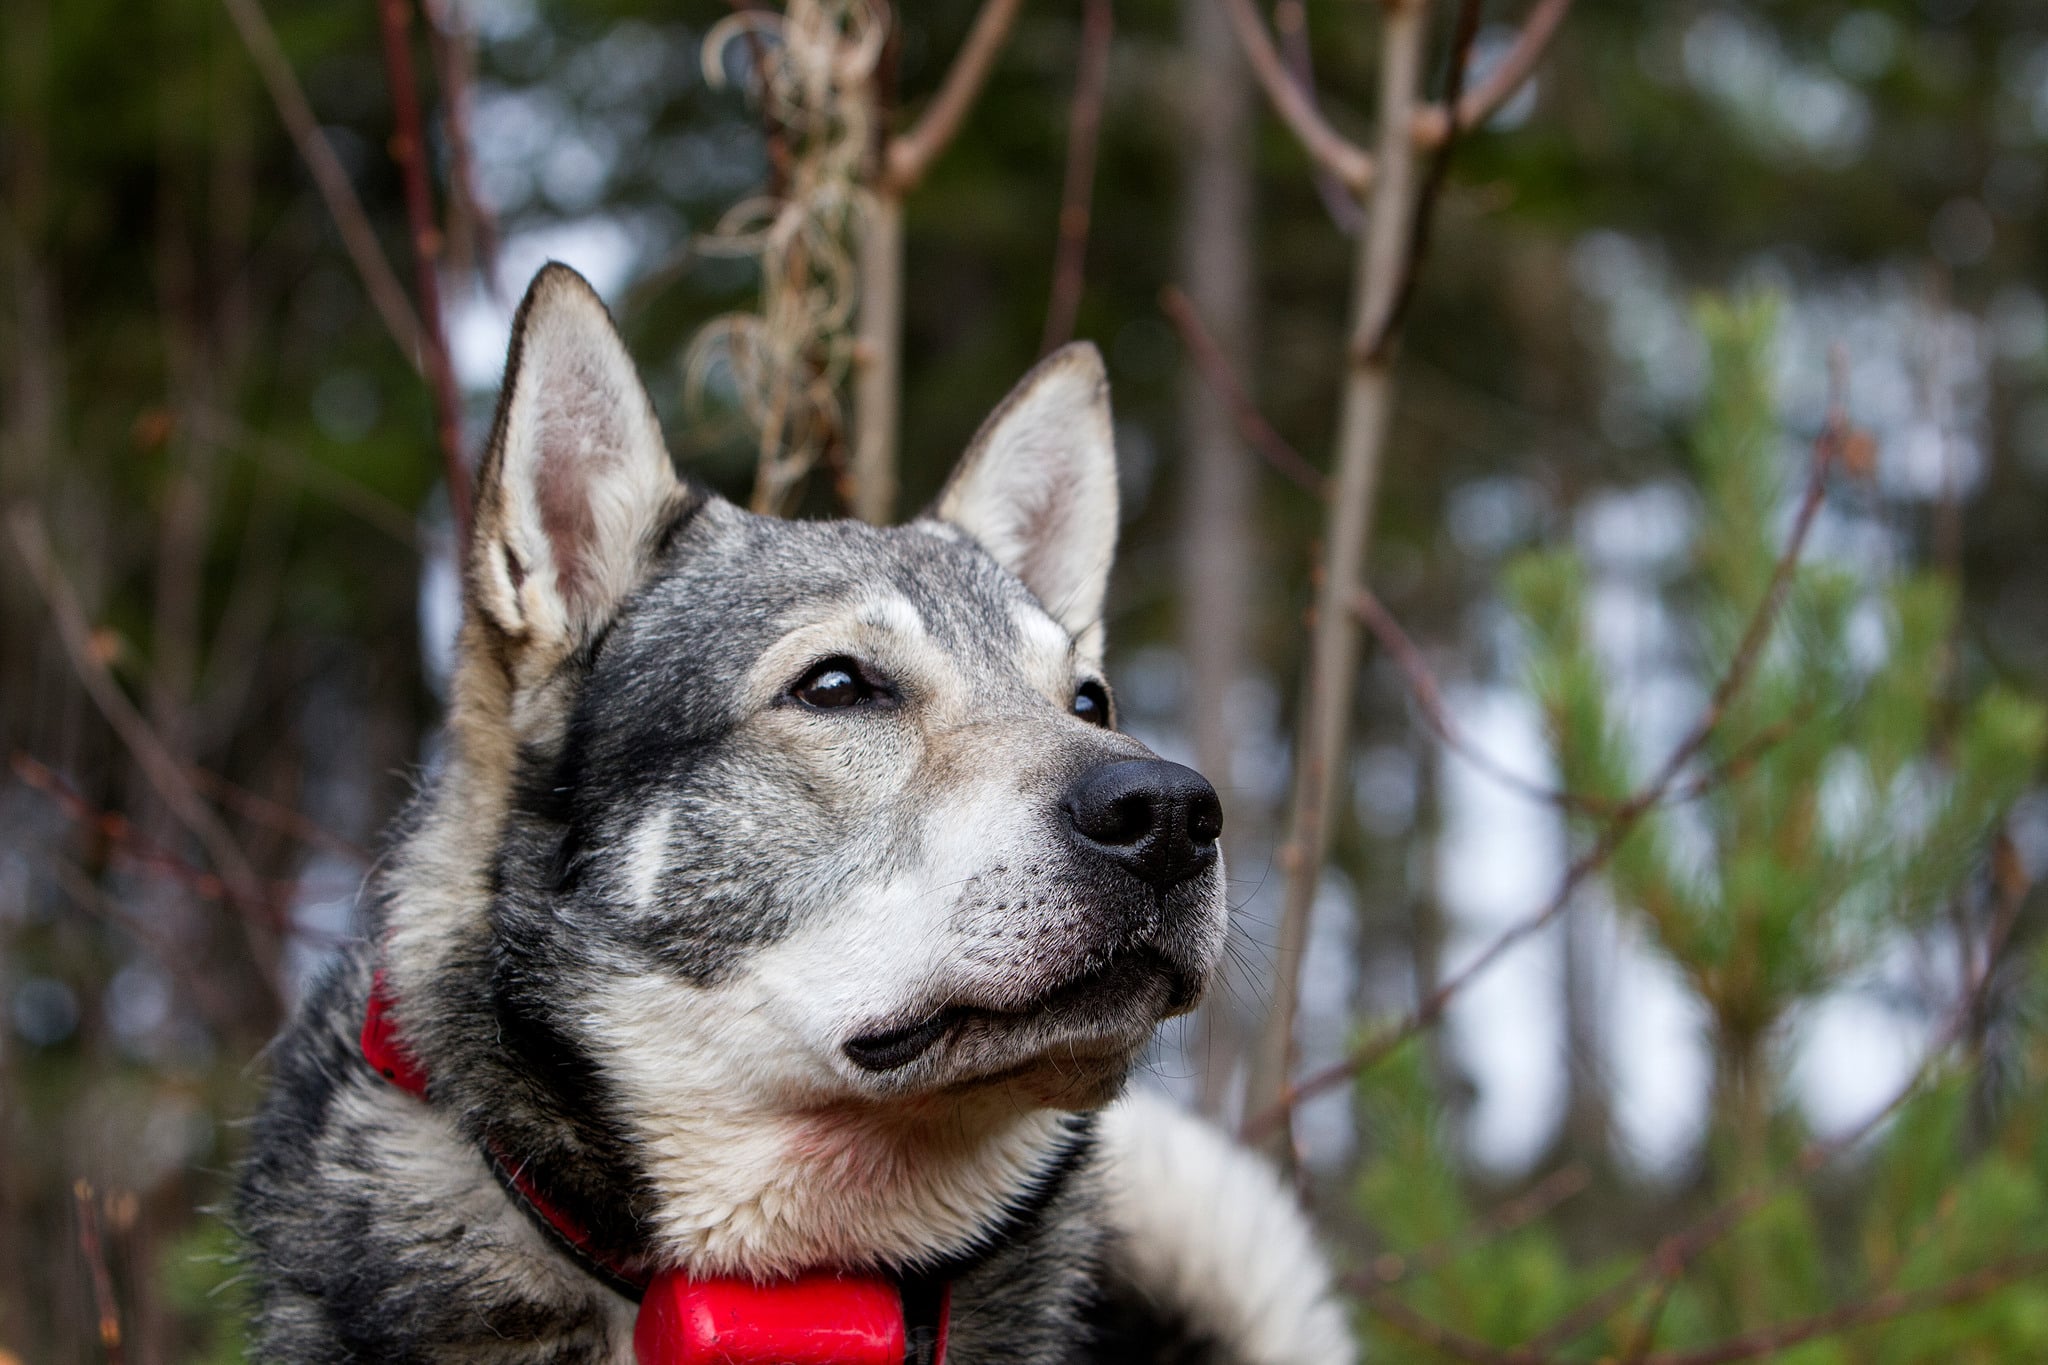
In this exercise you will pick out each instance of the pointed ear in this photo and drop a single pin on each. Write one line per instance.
(577, 483)
(1037, 487)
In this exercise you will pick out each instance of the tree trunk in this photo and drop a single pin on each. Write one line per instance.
(1216, 530)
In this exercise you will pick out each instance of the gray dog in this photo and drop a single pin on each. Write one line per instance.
(783, 924)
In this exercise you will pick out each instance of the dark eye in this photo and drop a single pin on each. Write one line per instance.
(1091, 703)
(835, 683)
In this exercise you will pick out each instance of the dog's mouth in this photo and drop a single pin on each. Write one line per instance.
(1109, 1003)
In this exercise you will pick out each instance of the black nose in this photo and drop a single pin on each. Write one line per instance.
(1157, 819)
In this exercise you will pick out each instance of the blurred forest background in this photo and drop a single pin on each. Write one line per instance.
(1674, 989)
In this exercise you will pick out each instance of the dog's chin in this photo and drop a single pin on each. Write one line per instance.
(1068, 1047)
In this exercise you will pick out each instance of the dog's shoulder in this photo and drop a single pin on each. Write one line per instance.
(1207, 1259)
(373, 1230)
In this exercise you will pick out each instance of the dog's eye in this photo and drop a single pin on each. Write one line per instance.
(836, 683)
(1091, 703)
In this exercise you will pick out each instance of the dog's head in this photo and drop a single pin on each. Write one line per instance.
(817, 812)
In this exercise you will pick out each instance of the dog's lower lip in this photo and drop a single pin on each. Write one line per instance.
(895, 1048)
(898, 1048)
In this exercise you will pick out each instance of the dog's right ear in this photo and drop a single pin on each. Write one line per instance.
(577, 484)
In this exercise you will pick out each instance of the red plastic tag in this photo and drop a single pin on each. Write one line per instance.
(817, 1319)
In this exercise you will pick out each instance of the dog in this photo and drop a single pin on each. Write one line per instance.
(787, 911)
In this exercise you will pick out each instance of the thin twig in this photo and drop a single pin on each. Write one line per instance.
(453, 42)
(1561, 1185)
(162, 769)
(409, 151)
(1847, 1317)
(196, 977)
(1611, 836)
(1434, 179)
(1433, 124)
(1669, 1258)
(275, 815)
(1330, 149)
(122, 836)
(1749, 1346)
(358, 238)
(1428, 697)
(95, 1254)
(912, 153)
(1290, 24)
(296, 466)
(1252, 425)
(1364, 421)
(1084, 137)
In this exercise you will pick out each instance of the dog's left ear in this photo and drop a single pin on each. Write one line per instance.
(577, 484)
(1037, 487)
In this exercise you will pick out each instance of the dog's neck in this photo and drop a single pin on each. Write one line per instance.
(738, 1182)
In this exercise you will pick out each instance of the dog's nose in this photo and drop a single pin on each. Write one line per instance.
(1157, 819)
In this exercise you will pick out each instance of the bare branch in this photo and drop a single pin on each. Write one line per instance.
(911, 154)
(471, 221)
(1561, 1185)
(1612, 834)
(1467, 29)
(1330, 149)
(1669, 1258)
(159, 766)
(1434, 124)
(358, 238)
(1252, 425)
(1290, 24)
(95, 1255)
(1084, 133)
(1884, 1308)
(1364, 418)
(409, 150)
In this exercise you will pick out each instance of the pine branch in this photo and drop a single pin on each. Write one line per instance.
(1618, 826)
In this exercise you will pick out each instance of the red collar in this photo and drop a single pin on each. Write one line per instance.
(820, 1318)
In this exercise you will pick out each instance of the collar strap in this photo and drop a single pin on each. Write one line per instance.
(821, 1318)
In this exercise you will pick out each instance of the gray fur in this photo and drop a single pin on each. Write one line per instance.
(633, 925)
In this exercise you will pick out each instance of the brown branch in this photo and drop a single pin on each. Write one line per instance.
(1084, 137)
(1463, 32)
(1670, 1257)
(1252, 425)
(121, 836)
(162, 769)
(1434, 123)
(471, 222)
(275, 815)
(358, 238)
(409, 151)
(912, 153)
(1611, 836)
(1565, 1183)
(1364, 420)
(1290, 24)
(1427, 694)
(90, 1247)
(297, 467)
(215, 1003)
(1750, 1346)
(1848, 1317)
(1327, 147)
(1427, 1331)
